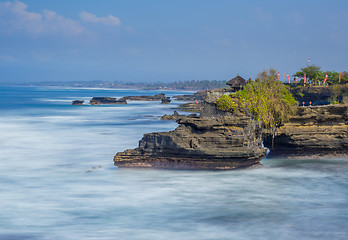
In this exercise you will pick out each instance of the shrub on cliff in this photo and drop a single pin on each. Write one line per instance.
(226, 103)
(267, 101)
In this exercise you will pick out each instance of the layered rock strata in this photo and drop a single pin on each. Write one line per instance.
(321, 130)
(222, 140)
(177, 116)
(198, 143)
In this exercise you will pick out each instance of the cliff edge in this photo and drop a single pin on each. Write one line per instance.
(197, 143)
(316, 131)
(223, 140)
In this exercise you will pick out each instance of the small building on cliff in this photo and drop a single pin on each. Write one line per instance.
(237, 83)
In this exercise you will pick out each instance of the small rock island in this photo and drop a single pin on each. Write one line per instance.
(77, 102)
(111, 100)
(106, 100)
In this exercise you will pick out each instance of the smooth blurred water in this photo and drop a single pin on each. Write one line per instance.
(57, 179)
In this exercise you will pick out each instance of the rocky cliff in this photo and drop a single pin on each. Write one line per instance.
(319, 95)
(198, 143)
(321, 130)
(222, 140)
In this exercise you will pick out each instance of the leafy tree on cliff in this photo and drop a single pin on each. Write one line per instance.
(333, 77)
(344, 77)
(267, 101)
(313, 73)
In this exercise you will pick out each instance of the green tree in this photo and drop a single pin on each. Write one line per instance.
(313, 73)
(332, 77)
(267, 101)
(344, 77)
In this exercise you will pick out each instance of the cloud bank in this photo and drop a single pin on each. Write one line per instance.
(92, 18)
(14, 17)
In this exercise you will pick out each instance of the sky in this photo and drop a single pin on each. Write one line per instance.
(166, 41)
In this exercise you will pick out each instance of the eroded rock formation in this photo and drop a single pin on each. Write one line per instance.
(222, 140)
(320, 130)
(198, 143)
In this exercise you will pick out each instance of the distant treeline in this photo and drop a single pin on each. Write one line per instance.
(179, 85)
(188, 85)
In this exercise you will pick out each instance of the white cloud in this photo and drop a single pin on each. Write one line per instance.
(56, 23)
(14, 17)
(92, 18)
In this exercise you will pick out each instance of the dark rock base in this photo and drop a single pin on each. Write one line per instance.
(133, 159)
(308, 153)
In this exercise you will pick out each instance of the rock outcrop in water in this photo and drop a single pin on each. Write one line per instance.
(157, 97)
(106, 100)
(110, 100)
(77, 102)
(199, 96)
(166, 100)
(198, 143)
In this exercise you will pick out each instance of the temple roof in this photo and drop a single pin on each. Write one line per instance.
(237, 81)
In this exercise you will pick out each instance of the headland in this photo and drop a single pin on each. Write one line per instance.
(223, 140)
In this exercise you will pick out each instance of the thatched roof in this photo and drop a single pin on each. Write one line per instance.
(237, 82)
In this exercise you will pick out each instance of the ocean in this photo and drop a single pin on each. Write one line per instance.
(58, 181)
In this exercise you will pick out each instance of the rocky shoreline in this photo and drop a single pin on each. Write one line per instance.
(111, 100)
(218, 140)
(314, 131)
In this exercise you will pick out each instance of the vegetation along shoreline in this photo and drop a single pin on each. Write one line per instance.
(236, 122)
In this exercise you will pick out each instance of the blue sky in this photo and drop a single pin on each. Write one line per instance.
(157, 40)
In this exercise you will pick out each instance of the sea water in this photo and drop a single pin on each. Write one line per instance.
(58, 181)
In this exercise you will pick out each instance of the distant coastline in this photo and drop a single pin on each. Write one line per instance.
(192, 85)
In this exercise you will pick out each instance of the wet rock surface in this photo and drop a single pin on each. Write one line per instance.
(157, 97)
(191, 97)
(77, 102)
(106, 100)
(197, 143)
(166, 100)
